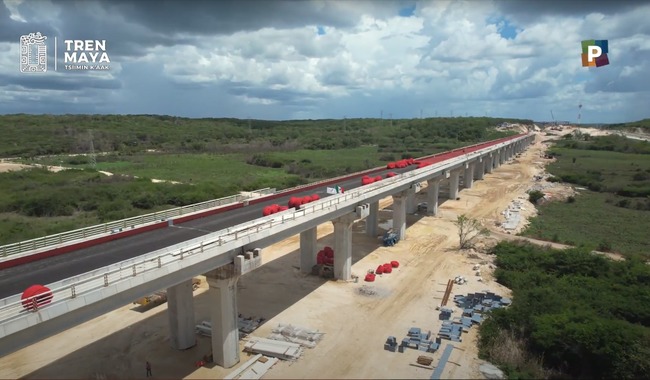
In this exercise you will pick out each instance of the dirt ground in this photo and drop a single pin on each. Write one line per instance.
(356, 326)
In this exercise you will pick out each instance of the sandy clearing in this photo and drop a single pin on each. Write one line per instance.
(356, 326)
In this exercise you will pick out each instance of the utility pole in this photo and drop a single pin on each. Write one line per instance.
(93, 157)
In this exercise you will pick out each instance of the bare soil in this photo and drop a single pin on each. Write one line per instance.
(355, 324)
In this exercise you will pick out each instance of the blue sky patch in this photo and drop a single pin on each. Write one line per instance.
(407, 11)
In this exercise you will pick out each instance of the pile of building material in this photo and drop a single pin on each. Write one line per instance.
(512, 215)
(244, 325)
(303, 336)
(274, 348)
(425, 360)
(445, 314)
(460, 280)
(416, 340)
(474, 306)
(255, 368)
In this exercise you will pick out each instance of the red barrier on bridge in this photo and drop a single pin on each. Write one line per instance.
(434, 158)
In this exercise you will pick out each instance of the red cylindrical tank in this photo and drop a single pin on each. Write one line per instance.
(370, 277)
(387, 268)
(378, 178)
(394, 264)
(380, 269)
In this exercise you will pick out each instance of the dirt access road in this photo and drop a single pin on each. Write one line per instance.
(117, 344)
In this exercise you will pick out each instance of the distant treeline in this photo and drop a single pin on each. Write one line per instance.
(36, 135)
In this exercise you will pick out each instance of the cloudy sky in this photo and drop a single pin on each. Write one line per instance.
(333, 59)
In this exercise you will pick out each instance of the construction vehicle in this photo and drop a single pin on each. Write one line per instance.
(160, 297)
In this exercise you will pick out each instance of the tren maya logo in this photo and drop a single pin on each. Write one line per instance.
(86, 55)
(594, 53)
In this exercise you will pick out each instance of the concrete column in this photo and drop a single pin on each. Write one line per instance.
(433, 188)
(468, 177)
(308, 245)
(479, 169)
(411, 205)
(372, 219)
(223, 309)
(453, 184)
(399, 215)
(180, 310)
(343, 247)
(489, 164)
(502, 157)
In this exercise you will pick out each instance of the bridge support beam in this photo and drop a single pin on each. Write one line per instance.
(180, 310)
(372, 220)
(399, 214)
(343, 247)
(453, 184)
(468, 176)
(433, 188)
(223, 306)
(308, 245)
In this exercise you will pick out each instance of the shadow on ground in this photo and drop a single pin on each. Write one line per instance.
(264, 293)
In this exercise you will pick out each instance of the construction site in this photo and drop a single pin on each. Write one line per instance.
(409, 312)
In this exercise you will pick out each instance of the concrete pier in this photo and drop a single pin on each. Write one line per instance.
(223, 310)
(372, 220)
(399, 214)
(453, 184)
(343, 247)
(180, 310)
(308, 249)
(479, 169)
(411, 204)
(489, 164)
(433, 189)
(468, 176)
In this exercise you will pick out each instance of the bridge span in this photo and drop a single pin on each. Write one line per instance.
(223, 247)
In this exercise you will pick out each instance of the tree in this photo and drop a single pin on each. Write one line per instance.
(468, 230)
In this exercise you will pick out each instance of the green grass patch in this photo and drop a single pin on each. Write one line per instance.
(594, 222)
(623, 173)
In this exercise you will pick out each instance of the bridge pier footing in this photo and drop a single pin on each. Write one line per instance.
(308, 245)
(343, 247)
(372, 219)
(180, 310)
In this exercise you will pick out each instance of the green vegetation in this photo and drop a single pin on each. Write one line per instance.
(574, 314)
(212, 158)
(643, 125)
(31, 135)
(614, 215)
(590, 220)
